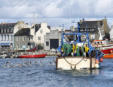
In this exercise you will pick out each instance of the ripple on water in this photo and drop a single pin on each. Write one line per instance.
(42, 73)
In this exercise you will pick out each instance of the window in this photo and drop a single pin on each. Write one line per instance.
(1, 30)
(47, 43)
(39, 38)
(29, 38)
(5, 37)
(7, 30)
(41, 31)
(11, 30)
(24, 38)
(8, 37)
(4, 30)
(11, 37)
(2, 37)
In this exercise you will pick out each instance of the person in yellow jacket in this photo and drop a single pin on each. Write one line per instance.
(62, 52)
(86, 50)
(74, 49)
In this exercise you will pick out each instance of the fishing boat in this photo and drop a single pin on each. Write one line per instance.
(78, 53)
(105, 47)
(107, 50)
(32, 56)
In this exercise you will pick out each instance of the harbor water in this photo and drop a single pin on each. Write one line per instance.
(43, 73)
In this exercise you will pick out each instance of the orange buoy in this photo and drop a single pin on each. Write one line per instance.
(101, 60)
(97, 61)
(111, 51)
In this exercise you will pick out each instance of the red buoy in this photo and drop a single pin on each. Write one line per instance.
(101, 60)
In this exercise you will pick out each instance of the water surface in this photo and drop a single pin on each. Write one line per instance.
(43, 73)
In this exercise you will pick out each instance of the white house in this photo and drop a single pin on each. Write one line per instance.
(111, 33)
(20, 25)
(39, 31)
(7, 31)
(57, 28)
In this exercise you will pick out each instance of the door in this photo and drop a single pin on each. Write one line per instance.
(54, 43)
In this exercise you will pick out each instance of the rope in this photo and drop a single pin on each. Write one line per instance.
(73, 64)
(76, 63)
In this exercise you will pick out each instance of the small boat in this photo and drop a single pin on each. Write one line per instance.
(32, 56)
(104, 46)
(107, 50)
(108, 56)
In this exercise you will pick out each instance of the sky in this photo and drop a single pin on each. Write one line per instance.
(11, 10)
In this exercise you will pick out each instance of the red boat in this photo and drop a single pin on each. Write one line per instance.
(105, 47)
(107, 51)
(32, 56)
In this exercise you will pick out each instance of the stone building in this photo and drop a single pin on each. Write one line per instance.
(6, 36)
(111, 33)
(52, 40)
(96, 29)
(22, 40)
(39, 31)
(7, 31)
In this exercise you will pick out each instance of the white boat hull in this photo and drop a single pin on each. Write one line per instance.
(70, 63)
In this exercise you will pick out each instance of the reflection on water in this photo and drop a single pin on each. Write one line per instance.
(82, 72)
(43, 73)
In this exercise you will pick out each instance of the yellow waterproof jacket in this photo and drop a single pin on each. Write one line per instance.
(86, 49)
(74, 47)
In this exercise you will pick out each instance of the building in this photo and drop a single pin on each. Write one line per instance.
(22, 39)
(39, 31)
(58, 28)
(6, 36)
(111, 33)
(96, 29)
(52, 40)
(7, 31)
(20, 25)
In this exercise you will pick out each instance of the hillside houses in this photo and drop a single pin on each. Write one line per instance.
(21, 36)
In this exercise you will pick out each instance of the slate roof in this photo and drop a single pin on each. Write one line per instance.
(90, 24)
(23, 32)
(38, 26)
(7, 27)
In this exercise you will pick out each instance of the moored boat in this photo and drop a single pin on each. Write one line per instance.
(107, 50)
(108, 56)
(104, 46)
(32, 56)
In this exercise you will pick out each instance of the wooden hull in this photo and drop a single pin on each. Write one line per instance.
(33, 56)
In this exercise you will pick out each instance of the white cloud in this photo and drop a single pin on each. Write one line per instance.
(55, 8)
(104, 7)
(52, 10)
